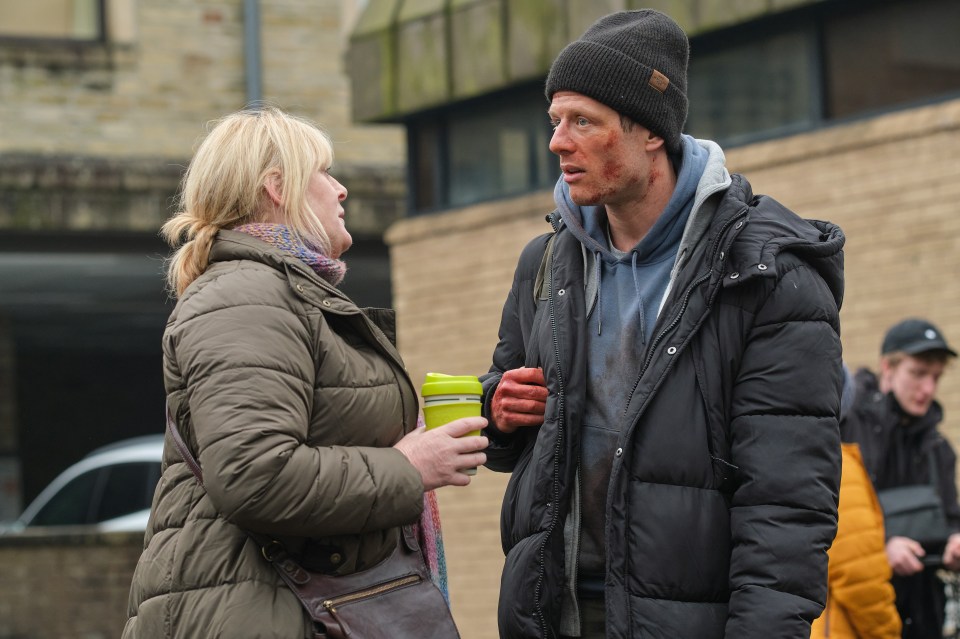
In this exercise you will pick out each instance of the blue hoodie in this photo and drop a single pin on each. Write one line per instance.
(630, 288)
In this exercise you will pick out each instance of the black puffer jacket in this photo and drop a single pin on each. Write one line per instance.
(896, 446)
(722, 499)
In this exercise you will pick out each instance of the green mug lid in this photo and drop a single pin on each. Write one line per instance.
(440, 384)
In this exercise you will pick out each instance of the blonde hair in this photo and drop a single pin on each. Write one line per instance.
(224, 185)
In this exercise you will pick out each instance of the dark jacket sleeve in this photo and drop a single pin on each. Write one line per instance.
(785, 441)
(516, 324)
(947, 482)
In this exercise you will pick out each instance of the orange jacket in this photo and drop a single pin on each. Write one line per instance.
(860, 601)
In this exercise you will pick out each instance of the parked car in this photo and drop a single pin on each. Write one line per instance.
(110, 489)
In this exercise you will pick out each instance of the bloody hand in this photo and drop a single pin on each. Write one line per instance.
(520, 399)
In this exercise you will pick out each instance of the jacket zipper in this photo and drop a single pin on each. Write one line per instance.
(556, 456)
(330, 605)
(683, 306)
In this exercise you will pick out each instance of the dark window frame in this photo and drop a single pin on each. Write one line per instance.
(64, 54)
(444, 119)
(18, 41)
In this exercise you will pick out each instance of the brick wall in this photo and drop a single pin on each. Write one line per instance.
(889, 182)
(66, 585)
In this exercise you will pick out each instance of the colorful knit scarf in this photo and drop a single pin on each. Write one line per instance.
(282, 238)
(431, 538)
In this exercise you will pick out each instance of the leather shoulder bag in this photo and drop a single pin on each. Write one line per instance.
(394, 599)
(915, 511)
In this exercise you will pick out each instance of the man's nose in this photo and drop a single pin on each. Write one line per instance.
(560, 141)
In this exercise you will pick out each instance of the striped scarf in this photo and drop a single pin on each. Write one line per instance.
(431, 538)
(282, 238)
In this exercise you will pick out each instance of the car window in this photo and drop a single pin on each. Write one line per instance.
(127, 489)
(70, 505)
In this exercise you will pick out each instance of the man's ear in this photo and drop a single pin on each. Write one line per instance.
(653, 142)
(273, 185)
(886, 365)
(886, 371)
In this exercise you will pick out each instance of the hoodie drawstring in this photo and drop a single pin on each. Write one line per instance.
(641, 315)
(596, 256)
(640, 310)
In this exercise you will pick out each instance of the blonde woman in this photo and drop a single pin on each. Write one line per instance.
(294, 401)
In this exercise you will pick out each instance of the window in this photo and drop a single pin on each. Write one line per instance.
(826, 62)
(101, 494)
(426, 149)
(71, 505)
(52, 19)
(767, 84)
(489, 149)
(892, 55)
(503, 151)
(127, 489)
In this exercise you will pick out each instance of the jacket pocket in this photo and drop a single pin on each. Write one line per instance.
(725, 473)
(512, 510)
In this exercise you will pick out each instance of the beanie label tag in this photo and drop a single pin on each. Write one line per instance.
(658, 81)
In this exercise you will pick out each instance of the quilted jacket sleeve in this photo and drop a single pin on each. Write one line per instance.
(785, 441)
(249, 359)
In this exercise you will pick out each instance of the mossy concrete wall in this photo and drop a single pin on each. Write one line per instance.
(408, 56)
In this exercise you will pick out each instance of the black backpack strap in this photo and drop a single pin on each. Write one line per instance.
(541, 286)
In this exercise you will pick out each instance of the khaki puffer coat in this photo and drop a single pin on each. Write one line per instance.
(291, 398)
(860, 597)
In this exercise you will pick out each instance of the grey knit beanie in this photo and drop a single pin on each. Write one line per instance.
(635, 62)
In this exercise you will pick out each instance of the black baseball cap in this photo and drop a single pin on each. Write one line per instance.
(913, 336)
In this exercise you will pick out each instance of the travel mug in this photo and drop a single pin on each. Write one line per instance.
(450, 397)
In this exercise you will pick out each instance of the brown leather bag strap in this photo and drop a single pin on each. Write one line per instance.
(181, 445)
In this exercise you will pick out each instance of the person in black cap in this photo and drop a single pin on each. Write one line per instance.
(894, 419)
(666, 386)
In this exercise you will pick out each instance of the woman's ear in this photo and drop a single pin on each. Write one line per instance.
(273, 185)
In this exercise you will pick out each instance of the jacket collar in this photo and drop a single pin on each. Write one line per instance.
(233, 245)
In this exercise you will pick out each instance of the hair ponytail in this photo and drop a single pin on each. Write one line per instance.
(192, 257)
